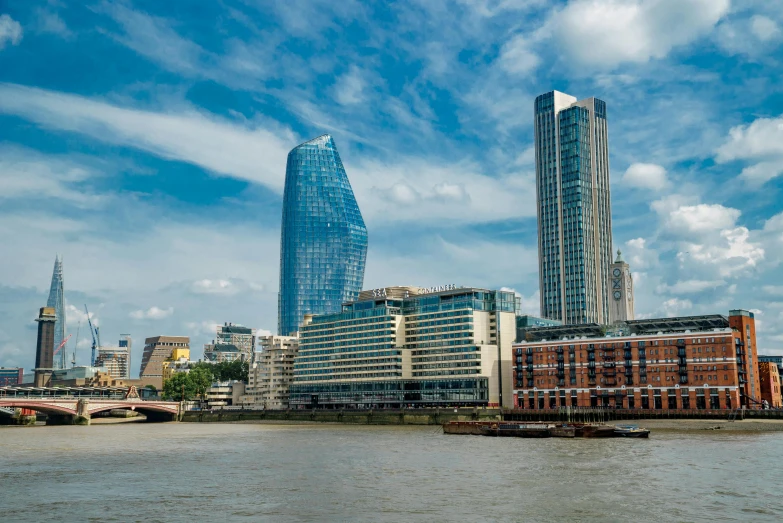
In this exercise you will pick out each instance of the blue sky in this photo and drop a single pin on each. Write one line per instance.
(145, 141)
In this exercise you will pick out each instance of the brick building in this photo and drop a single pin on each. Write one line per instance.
(695, 362)
(769, 379)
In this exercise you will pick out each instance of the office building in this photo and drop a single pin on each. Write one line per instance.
(159, 349)
(225, 394)
(694, 362)
(769, 380)
(272, 371)
(11, 376)
(574, 211)
(44, 349)
(232, 342)
(116, 360)
(57, 301)
(406, 347)
(323, 246)
(527, 321)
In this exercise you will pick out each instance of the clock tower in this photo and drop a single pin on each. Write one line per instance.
(620, 291)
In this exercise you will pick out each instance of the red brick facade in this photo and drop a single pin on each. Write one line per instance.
(693, 370)
(770, 384)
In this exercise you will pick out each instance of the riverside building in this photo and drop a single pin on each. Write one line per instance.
(694, 362)
(158, 350)
(271, 372)
(402, 347)
(574, 210)
(323, 246)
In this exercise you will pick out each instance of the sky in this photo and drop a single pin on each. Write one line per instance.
(145, 142)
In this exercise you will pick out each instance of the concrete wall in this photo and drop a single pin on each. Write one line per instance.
(363, 417)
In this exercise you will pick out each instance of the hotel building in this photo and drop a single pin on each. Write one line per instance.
(694, 362)
(406, 347)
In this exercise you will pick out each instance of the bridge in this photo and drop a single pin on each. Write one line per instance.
(77, 405)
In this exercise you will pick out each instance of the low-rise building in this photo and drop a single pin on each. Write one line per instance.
(527, 321)
(770, 384)
(271, 372)
(225, 394)
(406, 347)
(11, 376)
(694, 362)
(775, 360)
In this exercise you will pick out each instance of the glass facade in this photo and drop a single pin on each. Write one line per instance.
(391, 394)
(56, 300)
(324, 240)
(574, 214)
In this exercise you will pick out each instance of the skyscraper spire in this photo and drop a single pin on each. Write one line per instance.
(56, 300)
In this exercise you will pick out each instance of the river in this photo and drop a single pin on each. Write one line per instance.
(256, 472)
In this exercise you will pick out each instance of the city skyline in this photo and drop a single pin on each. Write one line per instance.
(161, 182)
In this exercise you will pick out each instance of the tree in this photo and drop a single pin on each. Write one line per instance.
(179, 387)
(200, 379)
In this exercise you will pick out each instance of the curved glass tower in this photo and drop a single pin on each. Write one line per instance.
(323, 248)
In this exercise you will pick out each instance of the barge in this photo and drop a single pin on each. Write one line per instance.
(543, 429)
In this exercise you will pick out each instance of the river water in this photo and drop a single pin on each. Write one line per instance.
(254, 472)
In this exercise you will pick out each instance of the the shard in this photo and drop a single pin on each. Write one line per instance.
(56, 300)
(324, 239)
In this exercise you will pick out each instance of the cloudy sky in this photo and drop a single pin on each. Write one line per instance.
(145, 142)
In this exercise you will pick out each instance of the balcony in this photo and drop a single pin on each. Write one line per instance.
(683, 371)
(683, 379)
(680, 343)
(681, 353)
(610, 372)
(609, 365)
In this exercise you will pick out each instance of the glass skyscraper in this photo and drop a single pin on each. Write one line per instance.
(323, 247)
(56, 300)
(574, 212)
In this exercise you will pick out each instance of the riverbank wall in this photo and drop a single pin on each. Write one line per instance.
(357, 417)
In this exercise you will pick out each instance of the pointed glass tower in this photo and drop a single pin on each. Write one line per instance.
(323, 246)
(56, 300)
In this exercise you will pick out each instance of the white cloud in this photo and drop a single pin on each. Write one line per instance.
(702, 218)
(207, 327)
(646, 176)
(50, 22)
(689, 286)
(676, 307)
(517, 57)
(153, 313)
(605, 33)
(732, 254)
(760, 142)
(223, 147)
(764, 28)
(226, 287)
(349, 88)
(10, 31)
(775, 290)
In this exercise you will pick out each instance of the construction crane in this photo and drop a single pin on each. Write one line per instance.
(76, 344)
(96, 337)
(61, 346)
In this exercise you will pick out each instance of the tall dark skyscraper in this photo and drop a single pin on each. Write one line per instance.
(323, 247)
(574, 210)
(56, 300)
(44, 348)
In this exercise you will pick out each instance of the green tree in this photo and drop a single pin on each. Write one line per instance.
(179, 387)
(200, 379)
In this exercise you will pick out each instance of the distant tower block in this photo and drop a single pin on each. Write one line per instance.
(44, 349)
(57, 301)
(620, 291)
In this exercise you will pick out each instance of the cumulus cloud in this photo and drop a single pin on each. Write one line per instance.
(10, 31)
(733, 253)
(153, 313)
(702, 218)
(760, 143)
(676, 307)
(605, 33)
(764, 27)
(225, 287)
(646, 176)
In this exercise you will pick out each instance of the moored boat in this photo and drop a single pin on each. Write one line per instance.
(519, 430)
(631, 431)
